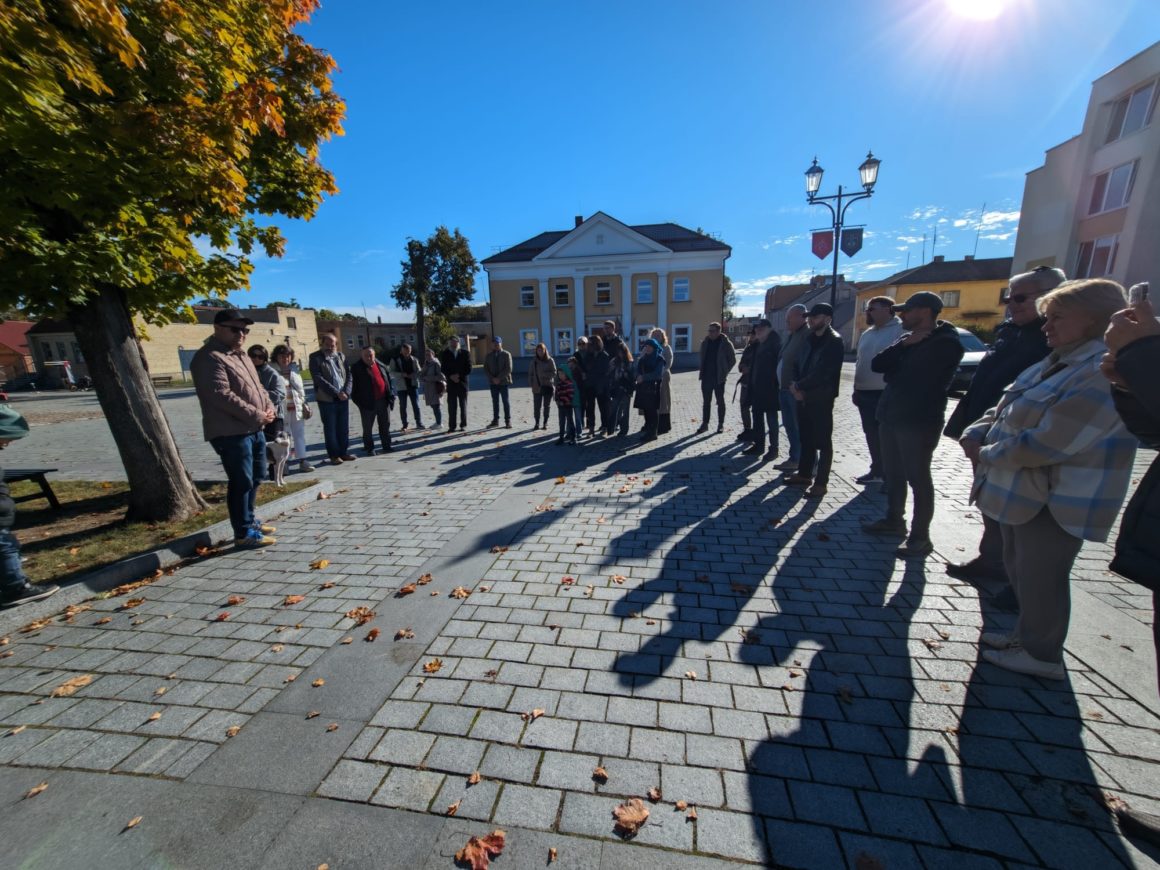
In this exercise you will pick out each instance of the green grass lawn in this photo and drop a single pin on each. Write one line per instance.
(89, 531)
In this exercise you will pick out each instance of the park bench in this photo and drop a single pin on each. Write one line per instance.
(37, 476)
(161, 380)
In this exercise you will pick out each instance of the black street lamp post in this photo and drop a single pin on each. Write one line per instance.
(869, 175)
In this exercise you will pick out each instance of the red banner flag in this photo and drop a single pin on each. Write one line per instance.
(823, 243)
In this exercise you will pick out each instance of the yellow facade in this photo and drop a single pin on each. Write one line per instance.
(977, 303)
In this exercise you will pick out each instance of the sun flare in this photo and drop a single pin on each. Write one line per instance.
(976, 10)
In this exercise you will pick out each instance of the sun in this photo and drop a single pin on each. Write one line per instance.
(976, 10)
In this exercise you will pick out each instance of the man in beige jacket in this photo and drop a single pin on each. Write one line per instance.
(498, 366)
(234, 408)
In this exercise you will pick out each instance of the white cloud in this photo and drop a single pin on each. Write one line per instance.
(359, 256)
(961, 222)
(786, 240)
(925, 212)
(996, 218)
(998, 237)
(757, 287)
(910, 240)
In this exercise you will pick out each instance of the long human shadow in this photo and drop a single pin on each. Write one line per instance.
(705, 583)
(1021, 750)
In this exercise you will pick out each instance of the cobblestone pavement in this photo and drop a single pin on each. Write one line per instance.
(668, 613)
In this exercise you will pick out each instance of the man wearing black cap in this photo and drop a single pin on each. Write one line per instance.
(1019, 344)
(918, 369)
(815, 389)
(235, 407)
(764, 391)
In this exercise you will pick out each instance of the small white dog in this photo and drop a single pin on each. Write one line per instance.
(277, 451)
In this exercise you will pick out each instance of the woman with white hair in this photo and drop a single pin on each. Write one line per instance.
(1053, 465)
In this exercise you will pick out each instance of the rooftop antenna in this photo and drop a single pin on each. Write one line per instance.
(924, 247)
(934, 244)
(979, 229)
(908, 258)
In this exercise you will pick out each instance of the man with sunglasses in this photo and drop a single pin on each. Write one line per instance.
(1019, 344)
(235, 407)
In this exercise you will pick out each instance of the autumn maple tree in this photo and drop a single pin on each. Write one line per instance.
(140, 142)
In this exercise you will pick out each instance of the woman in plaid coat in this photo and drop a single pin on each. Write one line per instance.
(1053, 462)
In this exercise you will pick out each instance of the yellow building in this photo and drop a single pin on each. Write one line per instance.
(562, 284)
(971, 290)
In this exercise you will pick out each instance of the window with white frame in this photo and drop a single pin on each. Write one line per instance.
(682, 337)
(529, 338)
(563, 342)
(950, 298)
(1097, 257)
(643, 333)
(350, 342)
(1132, 112)
(680, 289)
(362, 342)
(1112, 189)
(603, 292)
(644, 292)
(561, 294)
(527, 296)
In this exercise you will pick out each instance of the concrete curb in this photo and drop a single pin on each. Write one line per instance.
(143, 564)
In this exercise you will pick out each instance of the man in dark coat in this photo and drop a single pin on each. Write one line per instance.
(373, 396)
(819, 371)
(14, 586)
(1019, 344)
(1131, 364)
(764, 390)
(745, 367)
(456, 363)
(919, 368)
(717, 359)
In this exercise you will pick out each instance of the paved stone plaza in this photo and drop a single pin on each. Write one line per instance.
(669, 613)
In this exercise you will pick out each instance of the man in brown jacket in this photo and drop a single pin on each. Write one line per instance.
(234, 408)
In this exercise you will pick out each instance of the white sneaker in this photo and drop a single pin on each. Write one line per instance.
(1020, 661)
(999, 640)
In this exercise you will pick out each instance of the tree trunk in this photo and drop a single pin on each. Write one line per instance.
(420, 330)
(160, 488)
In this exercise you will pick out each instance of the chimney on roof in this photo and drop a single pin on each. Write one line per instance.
(968, 256)
(938, 258)
(579, 219)
(380, 318)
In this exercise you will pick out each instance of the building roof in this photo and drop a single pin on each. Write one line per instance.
(13, 332)
(50, 326)
(673, 236)
(948, 272)
(782, 295)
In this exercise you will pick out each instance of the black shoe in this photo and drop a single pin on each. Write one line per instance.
(493, 424)
(29, 593)
(560, 440)
(745, 436)
(885, 526)
(704, 428)
(720, 428)
(769, 456)
(752, 449)
(974, 571)
(508, 424)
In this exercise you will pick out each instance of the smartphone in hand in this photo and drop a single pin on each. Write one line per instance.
(1137, 293)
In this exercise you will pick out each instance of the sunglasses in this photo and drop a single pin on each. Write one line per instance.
(1020, 298)
(239, 330)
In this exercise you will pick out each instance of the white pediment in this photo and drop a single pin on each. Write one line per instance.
(601, 236)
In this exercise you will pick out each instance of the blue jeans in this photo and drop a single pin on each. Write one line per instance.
(410, 394)
(567, 423)
(499, 391)
(789, 420)
(335, 427)
(12, 579)
(622, 408)
(244, 459)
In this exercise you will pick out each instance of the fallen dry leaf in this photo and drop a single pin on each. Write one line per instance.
(474, 778)
(404, 634)
(600, 521)
(319, 682)
(104, 620)
(454, 808)
(405, 590)
(478, 851)
(35, 790)
(459, 592)
(347, 640)
(945, 635)
(319, 564)
(433, 666)
(589, 591)
(931, 645)
(692, 814)
(560, 480)
(371, 635)
(424, 580)
(333, 726)
(235, 600)
(682, 805)
(290, 600)
(291, 678)
(160, 690)
(630, 816)
(650, 622)
(600, 774)
(153, 717)
(327, 585)
(132, 823)
(654, 794)
(323, 496)
(692, 675)
(16, 730)
(70, 686)
(567, 581)
(233, 730)
(131, 603)
(533, 716)
(618, 578)
(498, 549)
(551, 854)
(313, 714)
(36, 625)
(434, 593)
(360, 615)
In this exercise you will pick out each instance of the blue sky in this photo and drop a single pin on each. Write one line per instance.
(505, 119)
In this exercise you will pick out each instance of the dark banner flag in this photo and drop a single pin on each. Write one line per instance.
(851, 241)
(823, 243)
